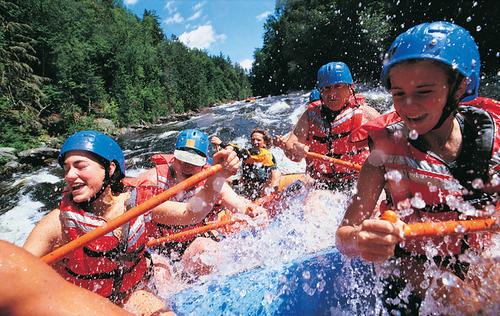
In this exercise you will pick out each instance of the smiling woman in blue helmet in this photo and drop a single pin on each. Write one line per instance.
(94, 166)
(326, 128)
(116, 265)
(436, 158)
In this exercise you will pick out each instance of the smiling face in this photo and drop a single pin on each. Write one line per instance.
(84, 175)
(335, 96)
(419, 91)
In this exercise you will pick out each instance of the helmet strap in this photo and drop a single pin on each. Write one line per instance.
(353, 91)
(451, 103)
(105, 183)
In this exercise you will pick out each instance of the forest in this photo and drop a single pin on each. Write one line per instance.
(302, 35)
(65, 63)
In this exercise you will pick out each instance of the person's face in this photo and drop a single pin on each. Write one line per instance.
(258, 140)
(188, 169)
(335, 96)
(419, 91)
(84, 175)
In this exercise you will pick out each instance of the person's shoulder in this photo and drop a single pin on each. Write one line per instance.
(370, 112)
(54, 213)
(162, 158)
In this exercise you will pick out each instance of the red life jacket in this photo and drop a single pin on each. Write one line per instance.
(314, 103)
(423, 187)
(165, 179)
(108, 266)
(332, 138)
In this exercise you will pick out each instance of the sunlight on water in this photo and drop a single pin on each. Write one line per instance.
(19, 221)
(278, 107)
(272, 270)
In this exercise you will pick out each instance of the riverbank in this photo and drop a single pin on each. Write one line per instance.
(13, 160)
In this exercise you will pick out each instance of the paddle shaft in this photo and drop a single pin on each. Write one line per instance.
(129, 215)
(193, 232)
(440, 229)
(343, 163)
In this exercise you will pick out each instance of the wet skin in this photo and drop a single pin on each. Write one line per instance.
(84, 175)
(335, 96)
(419, 101)
(258, 140)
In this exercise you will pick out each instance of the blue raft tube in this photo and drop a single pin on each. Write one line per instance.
(297, 271)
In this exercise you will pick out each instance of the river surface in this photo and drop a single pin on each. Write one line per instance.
(30, 195)
(279, 250)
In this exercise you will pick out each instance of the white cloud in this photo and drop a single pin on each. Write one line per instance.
(175, 19)
(246, 64)
(196, 15)
(130, 2)
(170, 7)
(262, 16)
(201, 37)
(198, 6)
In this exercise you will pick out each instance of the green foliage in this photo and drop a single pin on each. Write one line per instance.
(303, 35)
(95, 59)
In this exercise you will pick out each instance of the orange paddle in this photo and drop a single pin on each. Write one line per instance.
(428, 229)
(335, 161)
(129, 215)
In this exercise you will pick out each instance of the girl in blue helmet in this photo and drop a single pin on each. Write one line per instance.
(326, 128)
(116, 265)
(436, 157)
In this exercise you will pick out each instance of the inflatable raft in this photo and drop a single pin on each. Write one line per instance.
(319, 284)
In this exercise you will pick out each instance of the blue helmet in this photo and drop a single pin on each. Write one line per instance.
(194, 139)
(444, 42)
(315, 95)
(94, 142)
(333, 73)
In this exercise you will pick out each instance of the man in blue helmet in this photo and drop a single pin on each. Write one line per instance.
(326, 129)
(436, 157)
(190, 157)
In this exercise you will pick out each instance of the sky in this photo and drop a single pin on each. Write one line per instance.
(231, 27)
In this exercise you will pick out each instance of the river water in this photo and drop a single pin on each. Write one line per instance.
(30, 195)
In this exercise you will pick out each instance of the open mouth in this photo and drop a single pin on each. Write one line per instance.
(416, 119)
(76, 188)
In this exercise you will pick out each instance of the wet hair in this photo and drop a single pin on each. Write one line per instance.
(267, 138)
(115, 180)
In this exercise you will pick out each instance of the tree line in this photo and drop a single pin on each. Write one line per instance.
(303, 35)
(64, 63)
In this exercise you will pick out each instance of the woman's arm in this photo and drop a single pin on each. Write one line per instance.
(31, 287)
(46, 236)
(358, 235)
(273, 181)
(238, 204)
